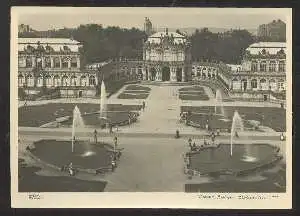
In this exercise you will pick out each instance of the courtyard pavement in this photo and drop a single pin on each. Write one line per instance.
(152, 159)
(147, 165)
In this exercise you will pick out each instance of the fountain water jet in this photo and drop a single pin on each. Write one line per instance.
(103, 102)
(237, 125)
(219, 103)
(77, 123)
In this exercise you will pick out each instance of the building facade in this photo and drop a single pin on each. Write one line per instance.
(53, 63)
(263, 70)
(166, 57)
(275, 30)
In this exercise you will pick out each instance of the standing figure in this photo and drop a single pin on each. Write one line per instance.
(190, 143)
(236, 134)
(144, 105)
(95, 136)
(110, 128)
(115, 143)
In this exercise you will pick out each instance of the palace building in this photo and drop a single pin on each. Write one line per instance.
(166, 57)
(263, 70)
(53, 64)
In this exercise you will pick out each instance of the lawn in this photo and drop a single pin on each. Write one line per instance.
(272, 117)
(193, 93)
(137, 87)
(132, 96)
(135, 92)
(35, 116)
(114, 118)
(29, 181)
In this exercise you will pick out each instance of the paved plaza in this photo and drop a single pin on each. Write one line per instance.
(152, 159)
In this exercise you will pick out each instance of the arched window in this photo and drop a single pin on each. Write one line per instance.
(47, 62)
(56, 80)
(254, 66)
(29, 80)
(28, 62)
(22, 62)
(263, 66)
(56, 62)
(281, 66)
(73, 80)
(21, 80)
(272, 66)
(92, 81)
(74, 62)
(236, 84)
(281, 84)
(272, 85)
(83, 81)
(263, 84)
(65, 80)
(254, 84)
(48, 81)
(140, 71)
(39, 81)
(65, 62)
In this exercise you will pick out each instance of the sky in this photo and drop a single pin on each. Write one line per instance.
(41, 18)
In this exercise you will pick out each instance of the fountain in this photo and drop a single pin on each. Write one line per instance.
(77, 123)
(237, 125)
(218, 103)
(103, 102)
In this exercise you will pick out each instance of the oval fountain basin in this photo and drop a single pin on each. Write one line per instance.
(246, 159)
(86, 155)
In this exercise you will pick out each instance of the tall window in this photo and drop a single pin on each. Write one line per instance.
(263, 84)
(22, 62)
(65, 63)
(236, 85)
(48, 81)
(39, 81)
(254, 83)
(83, 81)
(272, 85)
(272, 66)
(263, 66)
(47, 62)
(254, 66)
(20, 80)
(92, 81)
(56, 80)
(281, 67)
(65, 80)
(29, 80)
(56, 62)
(73, 80)
(28, 62)
(74, 62)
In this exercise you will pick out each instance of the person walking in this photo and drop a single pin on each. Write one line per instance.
(95, 136)
(110, 128)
